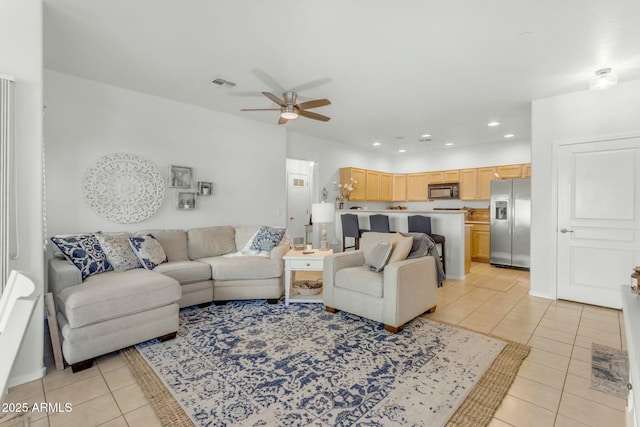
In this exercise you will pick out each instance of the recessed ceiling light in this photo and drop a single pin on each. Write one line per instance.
(402, 150)
(376, 143)
(448, 144)
(492, 124)
(509, 135)
(604, 78)
(426, 135)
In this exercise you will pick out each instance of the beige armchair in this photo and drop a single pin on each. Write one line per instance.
(403, 290)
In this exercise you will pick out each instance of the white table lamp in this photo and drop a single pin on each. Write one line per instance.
(323, 213)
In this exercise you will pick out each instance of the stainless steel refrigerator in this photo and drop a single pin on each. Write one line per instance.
(510, 212)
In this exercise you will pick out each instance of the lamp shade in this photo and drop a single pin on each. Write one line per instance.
(322, 212)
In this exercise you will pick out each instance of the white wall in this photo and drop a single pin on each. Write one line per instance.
(21, 57)
(329, 156)
(500, 153)
(86, 120)
(576, 116)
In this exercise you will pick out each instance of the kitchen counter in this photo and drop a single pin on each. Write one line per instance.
(450, 224)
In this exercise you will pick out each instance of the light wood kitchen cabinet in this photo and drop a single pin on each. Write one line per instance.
(526, 170)
(451, 176)
(481, 242)
(417, 187)
(485, 176)
(436, 177)
(358, 175)
(399, 192)
(385, 187)
(372, 186)
(468, 184)
(509, 171)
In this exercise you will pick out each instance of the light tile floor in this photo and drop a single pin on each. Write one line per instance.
(552, 387)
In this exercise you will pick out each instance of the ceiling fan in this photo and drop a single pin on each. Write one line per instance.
(290, 110)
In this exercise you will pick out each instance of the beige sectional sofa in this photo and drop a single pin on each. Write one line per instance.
(115, 309)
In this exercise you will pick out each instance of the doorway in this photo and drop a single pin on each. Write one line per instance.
(299, 187)
(598, 219)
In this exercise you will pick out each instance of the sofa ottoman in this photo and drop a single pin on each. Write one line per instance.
(102, 314)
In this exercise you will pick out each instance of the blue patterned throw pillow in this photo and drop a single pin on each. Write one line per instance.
(148, 250)
(84, 251)
(267, 238)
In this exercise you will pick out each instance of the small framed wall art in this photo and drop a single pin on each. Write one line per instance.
(181, 177)
(186, 200)
(205, 188)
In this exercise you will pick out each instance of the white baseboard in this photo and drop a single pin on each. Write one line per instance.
(542, 295)
(28, 377)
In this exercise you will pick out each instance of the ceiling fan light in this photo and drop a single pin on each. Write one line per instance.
(603, 79)
(289, 113)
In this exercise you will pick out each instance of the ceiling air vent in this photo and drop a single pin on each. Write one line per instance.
(219, 81)
(425, 140)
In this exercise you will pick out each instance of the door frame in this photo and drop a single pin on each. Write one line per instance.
(555, 170)
(310, 171)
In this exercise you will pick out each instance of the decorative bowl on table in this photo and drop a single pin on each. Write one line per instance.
(308, 287)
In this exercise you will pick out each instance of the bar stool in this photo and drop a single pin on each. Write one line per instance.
(422, 224)
(351, 228)
(379, 223)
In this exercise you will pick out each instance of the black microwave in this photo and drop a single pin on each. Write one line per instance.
(448, 190)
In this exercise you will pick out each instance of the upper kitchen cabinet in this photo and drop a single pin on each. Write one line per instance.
(417, 187)
(439, 177)
(360, 177)
(526, 170)
(451, 176)
(469, 184)
(386, 187)
(485, 176)
(372, 186)
(509, 171)
(399, 192)
(436, 177)
(378, 186)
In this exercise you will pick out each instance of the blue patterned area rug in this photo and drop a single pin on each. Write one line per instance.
(254, 364)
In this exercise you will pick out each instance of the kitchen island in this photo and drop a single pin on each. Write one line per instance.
(450, 224)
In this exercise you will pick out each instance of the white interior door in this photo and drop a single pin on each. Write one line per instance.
(298, 195)
(598, 219)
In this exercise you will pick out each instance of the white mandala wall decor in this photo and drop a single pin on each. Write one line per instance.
(123, 188)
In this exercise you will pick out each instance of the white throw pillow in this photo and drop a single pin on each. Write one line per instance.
(401, 249)
(118, 251)
(377, 257)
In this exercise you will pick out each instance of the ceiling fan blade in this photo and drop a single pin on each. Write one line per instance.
(314, 116)
(259, 109)
(268, 80)
(282, 121)
(246, 94)
(314, 104)
(310, 85)
(274, 98)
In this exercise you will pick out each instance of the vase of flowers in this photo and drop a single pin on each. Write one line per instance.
(344, 192)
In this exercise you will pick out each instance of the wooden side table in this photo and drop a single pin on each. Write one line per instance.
(296, 260)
